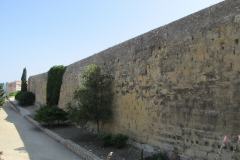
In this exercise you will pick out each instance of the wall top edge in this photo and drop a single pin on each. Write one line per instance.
(218, 14)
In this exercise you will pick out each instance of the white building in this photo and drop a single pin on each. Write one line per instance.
(13, 86)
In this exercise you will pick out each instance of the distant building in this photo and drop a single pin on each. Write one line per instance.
(13, 86)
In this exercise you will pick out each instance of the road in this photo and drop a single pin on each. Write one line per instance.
(20, 140)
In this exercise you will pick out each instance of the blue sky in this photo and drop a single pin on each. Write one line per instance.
(38, 34)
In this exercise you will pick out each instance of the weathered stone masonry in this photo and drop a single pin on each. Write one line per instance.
(176, 87)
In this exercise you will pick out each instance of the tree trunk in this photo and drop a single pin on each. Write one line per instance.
(98, 129)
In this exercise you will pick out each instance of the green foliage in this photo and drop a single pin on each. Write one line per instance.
(24, 80)
(54, 83)
(18, 95)
(94, 98)
(75, 115)
(50, 114)
(12, 94)
(2, 92)
(1, 153)
(25, 97)
(119, 140)
(106, 139)
(158, 156)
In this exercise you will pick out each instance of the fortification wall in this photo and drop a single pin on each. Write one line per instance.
(176, 87)
(38, 85)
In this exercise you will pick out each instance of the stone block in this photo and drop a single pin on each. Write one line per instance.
(201, 154)
(184, 157)
(168, 147)
(237, 18)
(212, 156)
(190, 152)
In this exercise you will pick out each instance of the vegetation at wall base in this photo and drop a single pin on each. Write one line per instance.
(106, 139)
(50, 114)
(25, 98)
(109, 139)
(54, 83)
(158, 156)
(24, 80)
(12, 94)
(2, 92)
(119, 140)
(94, 98)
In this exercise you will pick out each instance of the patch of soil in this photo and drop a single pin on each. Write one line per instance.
(90, 142)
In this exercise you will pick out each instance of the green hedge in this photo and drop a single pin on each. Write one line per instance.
(25, 97)
(54, 83)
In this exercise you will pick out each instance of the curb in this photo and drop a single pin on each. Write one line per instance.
(9, 104)
(68, 143)
(82, 152)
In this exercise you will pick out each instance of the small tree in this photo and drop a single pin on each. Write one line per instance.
(24, 81)
(94, 98)
(2, 92)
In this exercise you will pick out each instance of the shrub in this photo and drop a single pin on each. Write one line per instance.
(18, 95)
(25, 97)
(119, 140)
(60, 114)
(158, 156)
(50, 114)
(106, 139)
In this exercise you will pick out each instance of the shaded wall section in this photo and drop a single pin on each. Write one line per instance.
(38, 85)
(176, 87)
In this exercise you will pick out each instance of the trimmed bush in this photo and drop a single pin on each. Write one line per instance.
(50, 114)
(25, 97)
(119, 140)
(18, 95)
(106, 139)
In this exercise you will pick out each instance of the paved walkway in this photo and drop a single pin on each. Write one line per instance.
(20, 140)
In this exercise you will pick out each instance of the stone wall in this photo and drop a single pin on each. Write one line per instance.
(37, 84)
(176, 87)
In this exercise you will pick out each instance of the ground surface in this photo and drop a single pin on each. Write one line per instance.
(20, 140)
(90, 142)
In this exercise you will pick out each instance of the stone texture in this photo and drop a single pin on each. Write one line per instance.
(176, 86)
(37, 84)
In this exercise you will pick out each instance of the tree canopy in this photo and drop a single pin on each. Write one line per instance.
(94, 98)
